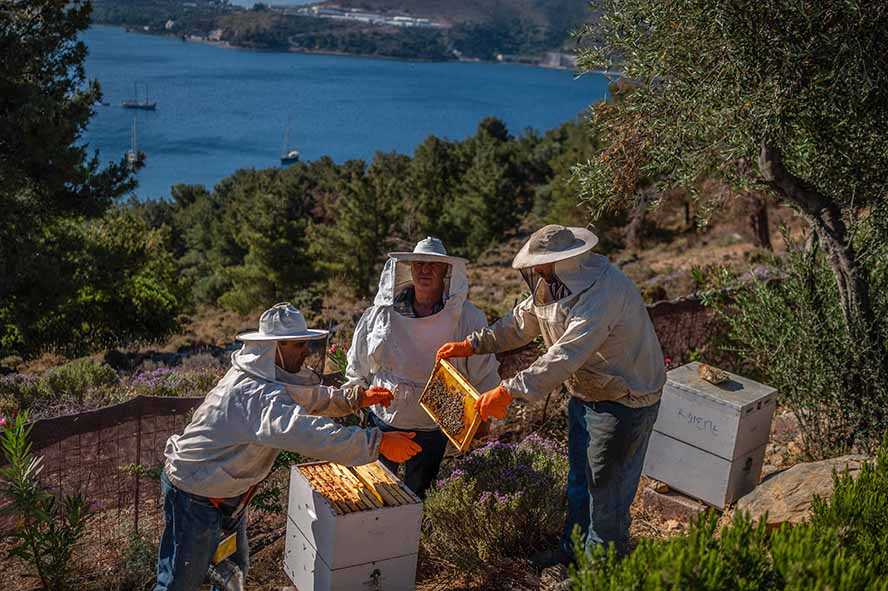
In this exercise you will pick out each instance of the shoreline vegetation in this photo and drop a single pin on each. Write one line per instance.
(533, 39)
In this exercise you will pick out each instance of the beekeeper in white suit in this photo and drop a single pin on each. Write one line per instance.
(602, 346)
(265, 403)
(421, 304)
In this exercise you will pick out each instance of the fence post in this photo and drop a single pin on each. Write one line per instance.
(138, 465)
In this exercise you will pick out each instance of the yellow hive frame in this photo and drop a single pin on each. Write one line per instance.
(451, 376)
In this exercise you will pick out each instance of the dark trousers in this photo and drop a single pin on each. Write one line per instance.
(421, 470)
(606, 443)
(193, 529)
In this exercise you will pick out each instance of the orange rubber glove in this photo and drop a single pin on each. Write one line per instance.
(398, 446)
(457, 349)
(376, 395)
(494, 403)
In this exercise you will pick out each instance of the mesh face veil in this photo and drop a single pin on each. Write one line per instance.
(544, 291)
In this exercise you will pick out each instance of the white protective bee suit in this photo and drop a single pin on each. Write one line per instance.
(601, 344)
(255, 411)
(600, 340)
(398, 353)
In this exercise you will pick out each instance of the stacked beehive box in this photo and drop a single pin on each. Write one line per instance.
(709, 439)
(351, 529)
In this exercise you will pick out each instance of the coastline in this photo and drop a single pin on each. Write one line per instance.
(226, 45)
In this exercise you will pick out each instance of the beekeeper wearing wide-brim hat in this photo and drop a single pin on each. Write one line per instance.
(265, 403)
(421, 304)
(602, 346)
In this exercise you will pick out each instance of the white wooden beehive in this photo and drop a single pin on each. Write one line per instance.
(365, 550)
(709, 439)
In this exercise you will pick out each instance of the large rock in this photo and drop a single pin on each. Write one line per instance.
(786, 496)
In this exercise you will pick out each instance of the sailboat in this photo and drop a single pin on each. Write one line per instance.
(133, 155)
(135, 103)
(288, 155)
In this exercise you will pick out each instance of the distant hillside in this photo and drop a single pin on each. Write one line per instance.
(512, 30)
(555, 14)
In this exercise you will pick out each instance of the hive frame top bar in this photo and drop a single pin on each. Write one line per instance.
(468, 391)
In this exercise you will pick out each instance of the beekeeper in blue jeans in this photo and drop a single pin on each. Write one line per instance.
(602, 346)
(265, 403)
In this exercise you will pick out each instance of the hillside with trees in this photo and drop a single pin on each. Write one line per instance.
(473, 30)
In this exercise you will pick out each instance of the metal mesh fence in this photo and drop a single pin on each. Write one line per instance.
(111, 457)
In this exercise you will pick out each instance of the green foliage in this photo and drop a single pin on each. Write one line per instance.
(792, 331)
(267, 217)
(339, 358)
(798, 88)
(499, 502)
(70, 384)
(137, 569)
(48, 529)
(74, 379)
(842, 548)
(366, 211)
(715, 81)
(278, 234)
(698, 561)
(49, 185)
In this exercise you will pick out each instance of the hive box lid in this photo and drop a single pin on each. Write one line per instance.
(737, 392)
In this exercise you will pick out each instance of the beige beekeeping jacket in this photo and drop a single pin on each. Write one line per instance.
(398, 353)
(600, 339)
(255, 411)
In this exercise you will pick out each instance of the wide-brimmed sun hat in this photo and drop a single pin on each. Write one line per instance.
(282, 322)
(554, 243)
(429, 249)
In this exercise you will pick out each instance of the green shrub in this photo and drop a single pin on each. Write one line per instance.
(698, 561)
(792, 332)
(843, 548)
(858, 512)
(74, 380)
(48, 529)
(501, 501)
(136, 571)
(19, 392)
(70, 384)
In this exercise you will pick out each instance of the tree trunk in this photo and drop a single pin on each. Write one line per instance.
(825, 219)
(636, 221)
(758, 221)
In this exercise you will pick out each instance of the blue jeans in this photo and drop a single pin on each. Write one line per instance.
(606, 444)
(192, 531)
(421, 470)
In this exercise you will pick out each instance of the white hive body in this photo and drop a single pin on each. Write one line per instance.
(337, 545)
(709, 439)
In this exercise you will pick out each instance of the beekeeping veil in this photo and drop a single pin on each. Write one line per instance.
(402, 349)
(568, 250)
(281, 322)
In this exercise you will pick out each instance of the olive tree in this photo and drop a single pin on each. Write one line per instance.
(787, 97)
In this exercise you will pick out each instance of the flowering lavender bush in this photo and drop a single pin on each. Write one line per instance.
(165, 381)
(500, 501)
(77, 384)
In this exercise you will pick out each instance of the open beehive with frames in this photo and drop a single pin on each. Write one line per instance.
(351, 529)
(452, 402)
(358, 488)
